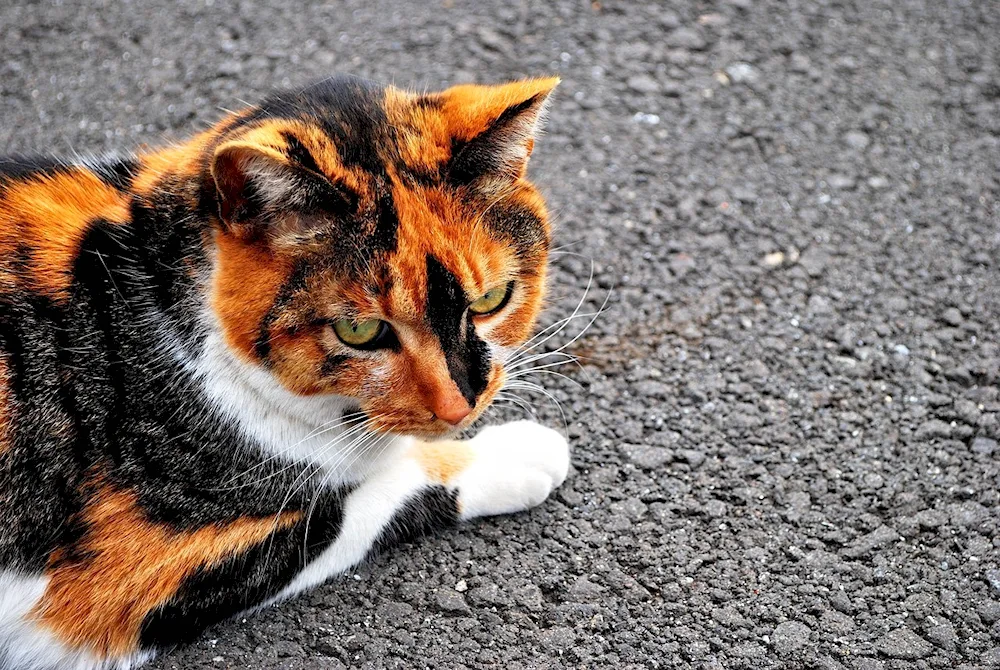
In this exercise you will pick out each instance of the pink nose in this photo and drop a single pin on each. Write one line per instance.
(452, 409)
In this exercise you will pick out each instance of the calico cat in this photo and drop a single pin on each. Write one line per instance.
(229, 369)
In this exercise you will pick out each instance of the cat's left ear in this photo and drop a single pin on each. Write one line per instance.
(261, 191)
(251, 180)
(493, 130)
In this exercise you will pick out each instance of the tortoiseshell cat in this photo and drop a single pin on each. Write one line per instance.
(223, 365)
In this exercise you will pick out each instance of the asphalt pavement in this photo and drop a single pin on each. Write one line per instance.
(785, 424)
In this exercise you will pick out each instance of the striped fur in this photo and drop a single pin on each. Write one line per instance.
(183, 435)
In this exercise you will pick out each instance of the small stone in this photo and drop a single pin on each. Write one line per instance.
(819, 305)
(856, 139)
(842, 182)
(967, 411)
(789, 637)
(730, 618)
(694, 458)
(840, 602)
(943, 635)
(745, 194)
(879, 537)
(287, 648)
(450, 601)
(836, 622)
(990, 658)
(878, 182)
(646, 457)
(952, 317)
(930, 518)
(643, 83)
(773, 259)
(681, 264)
(584, 591)
(558, 638)
(686, 38)
(742, 73)
(903, 643)
(814, 260)
(901, 350)
(668, 19)
(993, 579)
(487, 594)
(989, 611)
(968, 514)
(935, 428)
(799, 62)
(984, 445)
(461, 586)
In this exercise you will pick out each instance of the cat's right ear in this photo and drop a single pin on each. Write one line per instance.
(252, 183)
(492, 130)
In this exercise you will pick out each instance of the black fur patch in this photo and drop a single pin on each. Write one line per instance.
(349, 110)
(295, 283)
(18, 167)
(467, 355)
(298, 153)
(117, 172)
(431, 509)
(519, 226)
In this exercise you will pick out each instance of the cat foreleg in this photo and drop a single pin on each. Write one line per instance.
(503, 469)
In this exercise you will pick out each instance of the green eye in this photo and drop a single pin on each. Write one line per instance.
(359, 334)
(492, 300)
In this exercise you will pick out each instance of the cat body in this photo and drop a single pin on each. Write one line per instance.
(229, 368)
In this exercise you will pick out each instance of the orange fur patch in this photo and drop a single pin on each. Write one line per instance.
(246, 282)
(50, 215)
(185, 159)
(129, 567)
(471, 108)
(443, 461)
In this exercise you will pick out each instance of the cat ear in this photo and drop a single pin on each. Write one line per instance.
(252, 181)
(493, 130)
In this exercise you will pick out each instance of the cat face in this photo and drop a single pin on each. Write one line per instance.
(382, 245)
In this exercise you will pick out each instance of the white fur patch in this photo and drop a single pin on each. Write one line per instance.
(367, 512)
(26, 646)
(292, 427)
(517, 465)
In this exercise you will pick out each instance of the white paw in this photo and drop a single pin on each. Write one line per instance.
(516, 466)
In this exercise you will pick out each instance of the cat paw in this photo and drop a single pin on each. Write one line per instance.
(515, 467)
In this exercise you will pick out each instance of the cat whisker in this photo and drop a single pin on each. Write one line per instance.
(535, 388)
(549, 372)
(312, 468)
(565, 359)
(531, 344)
(345, 420)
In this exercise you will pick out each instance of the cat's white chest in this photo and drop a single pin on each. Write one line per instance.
(288, 427)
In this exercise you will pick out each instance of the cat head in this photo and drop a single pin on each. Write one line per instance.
(382, 245)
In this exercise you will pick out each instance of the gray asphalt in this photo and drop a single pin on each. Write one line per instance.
(786, 427)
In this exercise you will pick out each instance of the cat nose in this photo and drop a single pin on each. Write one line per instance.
(451, 407)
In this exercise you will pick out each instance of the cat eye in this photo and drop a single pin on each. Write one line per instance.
(368, 334)
(492, 300)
